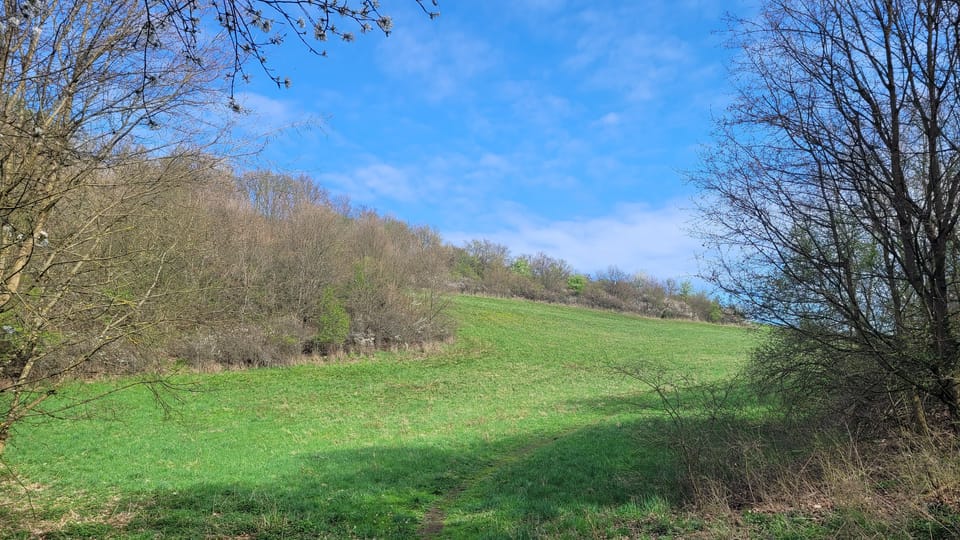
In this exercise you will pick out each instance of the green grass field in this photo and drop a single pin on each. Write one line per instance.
(521, 428)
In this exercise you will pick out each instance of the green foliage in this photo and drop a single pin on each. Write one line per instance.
(485, 267)
(332, 321)
(520, 429)
(576, 283)
(819, 253)
(283, 261)
(120, 295)
(464, 266)
(716, 313)
(521, 267)
(482, 256)
(810, 380)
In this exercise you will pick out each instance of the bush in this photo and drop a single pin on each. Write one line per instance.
(595, 295)
(810, 380)
(272, 342)
(332, 322)
(576, 283)
(770, 472)
(389, 312)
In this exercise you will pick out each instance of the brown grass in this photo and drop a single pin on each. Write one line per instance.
(21, 505)
(885, 483)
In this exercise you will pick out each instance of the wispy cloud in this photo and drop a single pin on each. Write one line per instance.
(636, 237)
(535, 106)
(469, 179)
(528, 124)
(442, 65)
(610, 119)
(451, 179)
(263, 117)
(373, 183)
(637, 64)
(263, 113)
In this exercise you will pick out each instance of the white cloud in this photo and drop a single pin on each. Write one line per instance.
(270, 132)
(264, 106)
(636, 237)
(533, 105)
(639, 65)
(441, 64)
(370, 183)
(262, 113)
(614, 52)
(610, 119)
(442, 180)
(464, 193)
(469, 180)
(263, 118)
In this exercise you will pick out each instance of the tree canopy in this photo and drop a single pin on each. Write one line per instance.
(835, 196)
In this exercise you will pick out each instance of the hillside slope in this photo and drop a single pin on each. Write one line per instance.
(523, 426)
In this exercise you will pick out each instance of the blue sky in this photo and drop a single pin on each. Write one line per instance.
(544, 125)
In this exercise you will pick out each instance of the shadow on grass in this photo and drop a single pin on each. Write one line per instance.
(603, 479)
(371, 492)
(614, 477)
(621, 477)
(509, 488)
(791, 477)
(594, 482)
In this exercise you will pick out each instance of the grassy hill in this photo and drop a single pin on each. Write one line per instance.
(524, 426)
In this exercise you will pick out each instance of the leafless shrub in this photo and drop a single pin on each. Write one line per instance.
(736, 457)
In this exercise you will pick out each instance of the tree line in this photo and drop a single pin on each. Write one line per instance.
(108, 115)
(210, 266)
(181, 259)
(485, 267)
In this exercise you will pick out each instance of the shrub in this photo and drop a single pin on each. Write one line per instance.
(333, 324)
(595, 295)
(819, 382)
(521, 267)
(576, 283)
(272, 342)
(380, 306)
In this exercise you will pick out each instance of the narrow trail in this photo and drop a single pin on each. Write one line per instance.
(434, 520)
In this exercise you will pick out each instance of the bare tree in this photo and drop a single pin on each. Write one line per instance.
(253, 27)
(551, 273)
(80, 101)
(94, 99)
(835, 198)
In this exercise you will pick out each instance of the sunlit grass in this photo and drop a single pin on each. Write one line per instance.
(523, 427)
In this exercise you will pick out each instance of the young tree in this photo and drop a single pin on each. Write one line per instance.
(835, 198)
